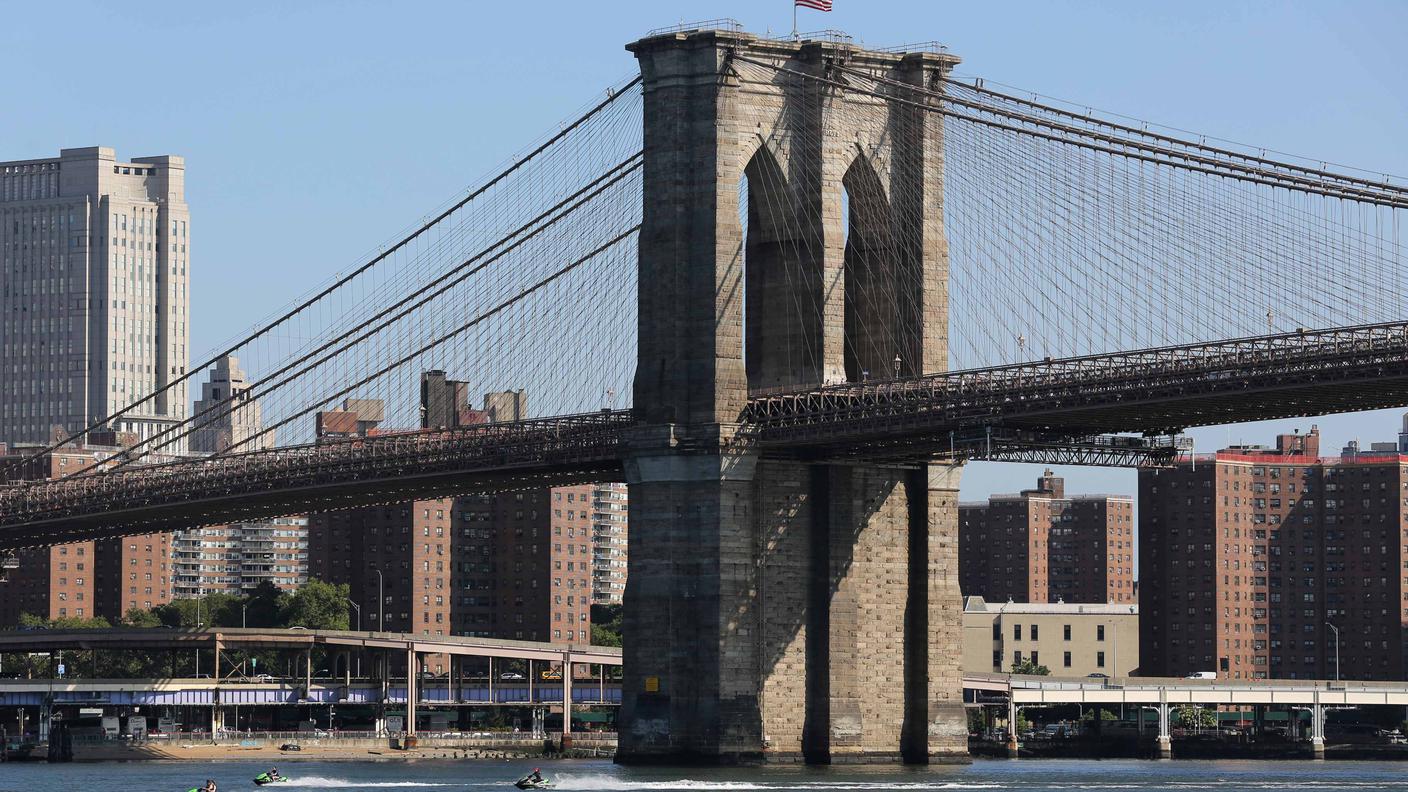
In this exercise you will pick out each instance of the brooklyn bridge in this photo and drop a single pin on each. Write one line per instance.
(785, 289)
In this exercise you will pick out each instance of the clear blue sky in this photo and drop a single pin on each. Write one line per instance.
(313, 131)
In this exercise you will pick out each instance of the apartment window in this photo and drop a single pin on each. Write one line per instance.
(1066, 659)
(1100, 659)
(996, 631)
(1016, 632)
(997, 659)
(1016, 658)
(1066, 633)
(1034, 631)
(1099, 632)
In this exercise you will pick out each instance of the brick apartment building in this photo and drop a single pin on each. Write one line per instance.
(1041, 546)
(525, 572)
(85, 579)
(514, 565)
(1249, 555)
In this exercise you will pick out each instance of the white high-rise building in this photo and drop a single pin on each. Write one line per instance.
(94, 297)
(236, 558)
(610, 515)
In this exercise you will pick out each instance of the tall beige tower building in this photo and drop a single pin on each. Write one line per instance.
(94, 297)
(225, 414)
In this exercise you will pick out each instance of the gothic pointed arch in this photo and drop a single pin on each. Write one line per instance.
(873, 296)
(780, 307)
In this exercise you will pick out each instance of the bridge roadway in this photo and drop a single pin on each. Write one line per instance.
(1050, 410)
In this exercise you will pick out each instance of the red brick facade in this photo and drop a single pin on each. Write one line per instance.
(1041, 546)
(1247, 554)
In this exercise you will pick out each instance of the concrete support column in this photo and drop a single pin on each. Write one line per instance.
(1165, 738)
(1013, 746)
(566, 698)
(1317, 728)
(412, 691)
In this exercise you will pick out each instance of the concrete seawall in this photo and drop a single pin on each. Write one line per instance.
(337, 748)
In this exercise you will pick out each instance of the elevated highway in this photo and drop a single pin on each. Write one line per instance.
(1162, 694)
(232, 686)
(223, 638)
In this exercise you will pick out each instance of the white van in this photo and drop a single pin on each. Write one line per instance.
(1202, 675)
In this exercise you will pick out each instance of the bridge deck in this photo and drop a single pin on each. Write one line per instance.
(983, 413)
(1153, 391)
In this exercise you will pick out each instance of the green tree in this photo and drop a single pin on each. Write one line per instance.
(1191, 716)
(138, 617)
(1028, 668)
(606, 625)
(1022, 722)
(262, 605)
(178, 613)
(316, 606)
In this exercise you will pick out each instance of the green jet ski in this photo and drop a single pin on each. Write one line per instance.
(267, 778)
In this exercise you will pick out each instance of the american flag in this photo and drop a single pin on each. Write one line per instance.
(818, 5)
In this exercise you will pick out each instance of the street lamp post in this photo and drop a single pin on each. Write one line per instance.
(1337, 649)
(358, 609)
(244, 615)
(200, 593)
(380, 603)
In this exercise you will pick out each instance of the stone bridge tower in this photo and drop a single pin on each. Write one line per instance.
(785, 609)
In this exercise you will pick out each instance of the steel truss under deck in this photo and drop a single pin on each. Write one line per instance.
(1054, 411)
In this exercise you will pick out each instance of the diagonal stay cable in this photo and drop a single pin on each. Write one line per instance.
(1121, 147)
(456, 275)
(497, 309)
(191, 371)
(1202, 146)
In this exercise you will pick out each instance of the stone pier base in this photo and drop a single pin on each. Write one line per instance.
(791, 613)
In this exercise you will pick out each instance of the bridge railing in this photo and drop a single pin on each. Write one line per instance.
(973, 396)
(557, 440)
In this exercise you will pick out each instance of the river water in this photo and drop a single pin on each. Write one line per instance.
(586, 776)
